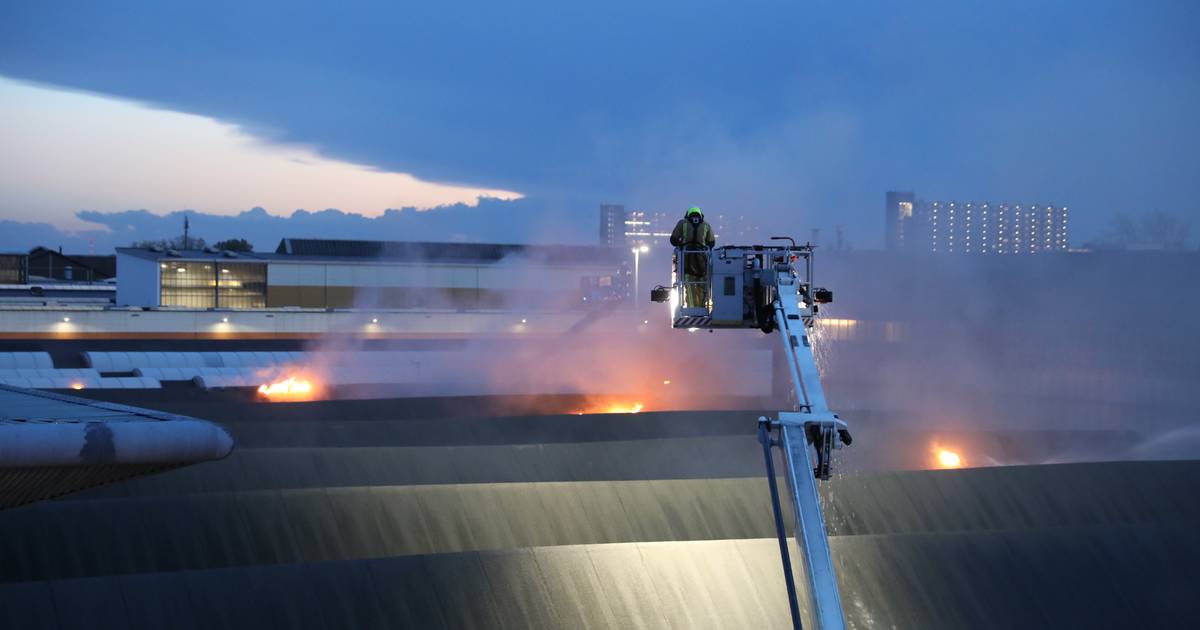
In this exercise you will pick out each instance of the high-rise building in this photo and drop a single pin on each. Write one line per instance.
(635, 228)
(643, 227)
(970, 228)
(612, 225)
(898, 213)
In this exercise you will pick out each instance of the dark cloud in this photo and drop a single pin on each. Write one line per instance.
(804, 112)
(492, 220)
(19, 236)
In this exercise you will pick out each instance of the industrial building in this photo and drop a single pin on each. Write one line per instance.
(45, 277)
(342, 274)
(43, 264)
(48, 264)
(14, 268)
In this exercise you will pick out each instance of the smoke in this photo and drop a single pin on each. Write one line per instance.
(1016, 360)
(777, 175)
(1020, 359)
(526, 331)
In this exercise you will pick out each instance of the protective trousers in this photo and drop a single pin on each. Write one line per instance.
(695, 280)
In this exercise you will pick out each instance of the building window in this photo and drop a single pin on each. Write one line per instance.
(188, 284)
(242, 285)
(196, 284)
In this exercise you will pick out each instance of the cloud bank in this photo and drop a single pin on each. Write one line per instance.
(490, 220)
(63, 151)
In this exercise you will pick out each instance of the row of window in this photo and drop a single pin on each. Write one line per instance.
(213, 285)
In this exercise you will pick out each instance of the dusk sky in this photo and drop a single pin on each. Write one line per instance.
(798, 114)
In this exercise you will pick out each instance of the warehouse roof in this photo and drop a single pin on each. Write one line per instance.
(307, 249)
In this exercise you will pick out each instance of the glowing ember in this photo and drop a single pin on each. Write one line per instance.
(945, 458)
(291, 388)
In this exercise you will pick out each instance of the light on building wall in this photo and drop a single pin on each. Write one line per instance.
(374, 320)
(224, 320)
(67, 319)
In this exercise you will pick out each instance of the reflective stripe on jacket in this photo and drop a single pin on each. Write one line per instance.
(685, 233)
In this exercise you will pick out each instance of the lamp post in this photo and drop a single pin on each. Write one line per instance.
(637, 276)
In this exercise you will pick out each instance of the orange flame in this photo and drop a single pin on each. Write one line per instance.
(290, 388)
(612, 407)
(946, 458)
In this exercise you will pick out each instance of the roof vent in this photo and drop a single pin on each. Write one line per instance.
(209, 249)
(156, 248)
(229, 254)
(174, 252)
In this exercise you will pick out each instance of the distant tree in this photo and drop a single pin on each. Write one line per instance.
(1157, 230)
(235, 245)
(171, 243)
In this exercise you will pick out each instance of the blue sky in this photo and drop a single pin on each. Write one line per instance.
(800, 113)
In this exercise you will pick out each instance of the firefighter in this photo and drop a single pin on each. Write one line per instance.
(693, 233)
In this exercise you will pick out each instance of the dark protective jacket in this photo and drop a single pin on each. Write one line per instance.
(687, 234)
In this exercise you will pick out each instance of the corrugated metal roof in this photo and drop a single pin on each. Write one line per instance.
(20, 486)
(51, 444)
(193, 254)
(304, 249)
(268, 539)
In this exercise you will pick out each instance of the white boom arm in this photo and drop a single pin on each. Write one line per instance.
(813, 423)
(761, 287)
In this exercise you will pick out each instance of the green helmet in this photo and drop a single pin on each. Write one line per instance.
(693, 210)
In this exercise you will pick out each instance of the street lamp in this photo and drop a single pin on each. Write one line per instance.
(637, 276)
